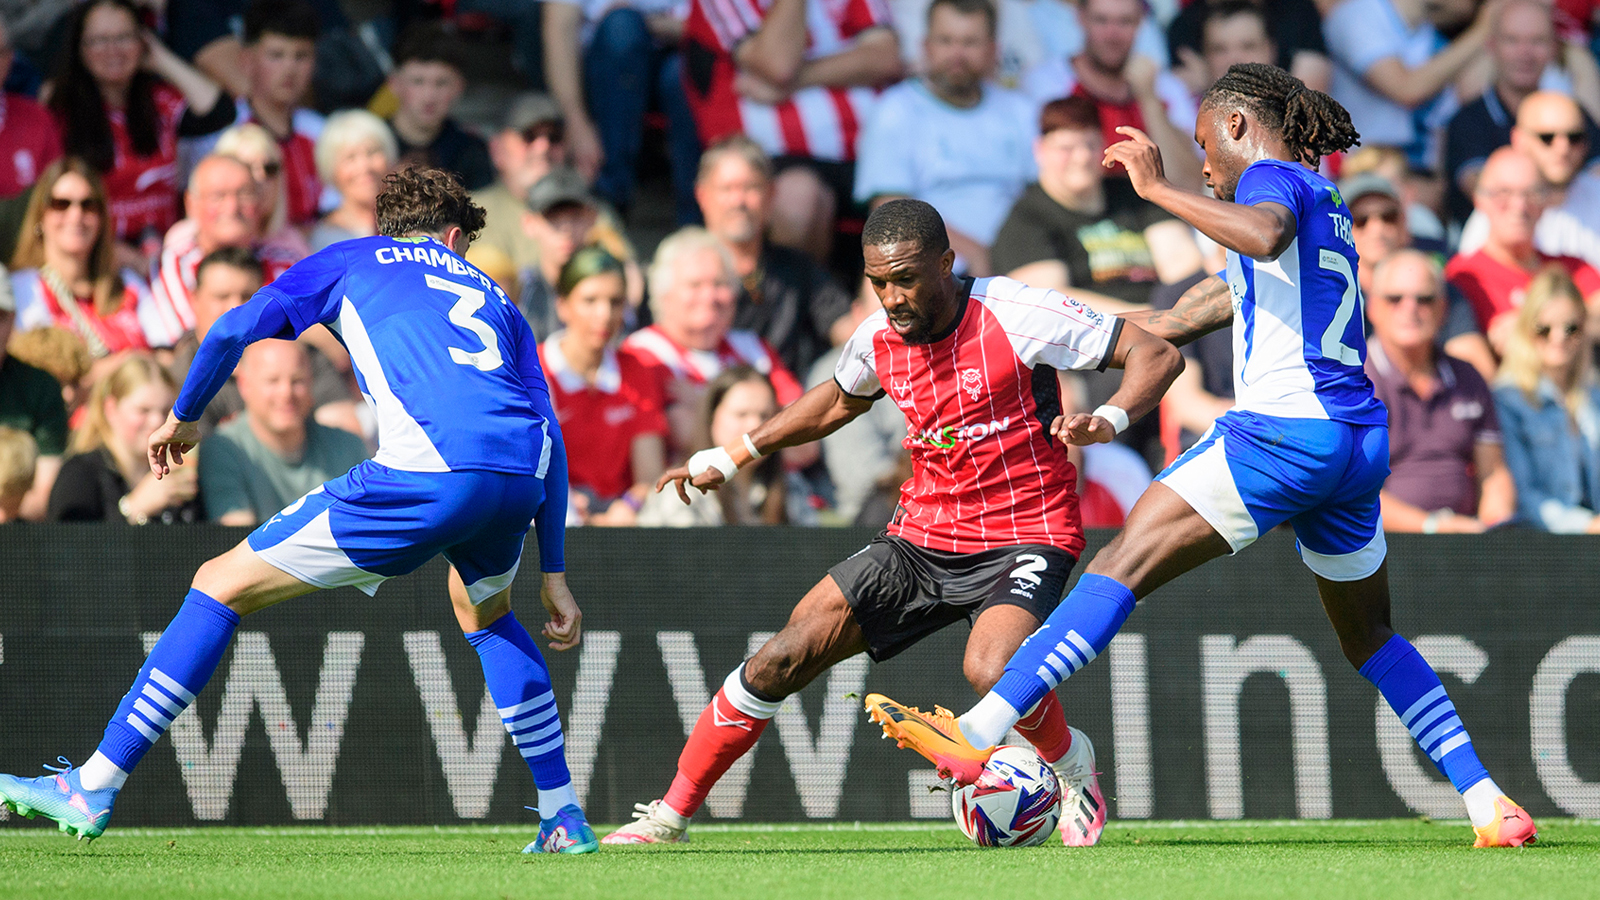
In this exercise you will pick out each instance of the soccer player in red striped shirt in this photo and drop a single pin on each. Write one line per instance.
(987, 528)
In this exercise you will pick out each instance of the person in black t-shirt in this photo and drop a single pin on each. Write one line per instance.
(428, 80)
(1084, 234)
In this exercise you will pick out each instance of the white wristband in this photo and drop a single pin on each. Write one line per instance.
(1116, 415)
(751, 446)
(715, 458)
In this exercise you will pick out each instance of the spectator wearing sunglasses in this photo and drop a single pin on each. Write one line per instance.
(530, 143)
(1379, 227)
(64, 272)
(1512, 196)
(1549, 409)
(1552, 131)
(1523, 49)
(1447, 471)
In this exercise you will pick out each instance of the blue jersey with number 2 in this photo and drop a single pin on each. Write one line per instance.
(1299, 343)
(443, 355)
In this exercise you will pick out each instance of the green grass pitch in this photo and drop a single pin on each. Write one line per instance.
(1389, 859)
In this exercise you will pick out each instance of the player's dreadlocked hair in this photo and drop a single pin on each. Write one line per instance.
(426, 201)
(911, 221)
(1313, 124)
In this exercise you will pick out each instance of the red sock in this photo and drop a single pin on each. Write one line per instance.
(1046, 729)
(721, 736)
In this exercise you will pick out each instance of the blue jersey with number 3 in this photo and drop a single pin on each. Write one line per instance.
(439, 350)
(1299, 342)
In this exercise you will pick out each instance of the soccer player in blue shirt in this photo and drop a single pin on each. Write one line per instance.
(469, 453)
(1306, 443)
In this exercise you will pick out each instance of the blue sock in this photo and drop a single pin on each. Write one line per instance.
(176, 670)
(1078, 631)
(1414, 692)
(519, 682)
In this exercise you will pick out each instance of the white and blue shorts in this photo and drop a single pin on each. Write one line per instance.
(374, 523)
(1251, 473)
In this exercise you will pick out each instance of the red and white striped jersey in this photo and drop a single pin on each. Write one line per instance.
(653, 347)
(174, 280)
(816, 122)
(978, 404)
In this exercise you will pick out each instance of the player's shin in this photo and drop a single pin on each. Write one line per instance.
(177, 668)
(519, 682)
(1079, 630)
(725, 731)
(1415, 693)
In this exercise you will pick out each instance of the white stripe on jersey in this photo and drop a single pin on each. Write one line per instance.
(402, 444)
(820, 119)
(760, 123)
(1272, 378)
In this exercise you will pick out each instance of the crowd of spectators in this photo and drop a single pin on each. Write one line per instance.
(161, 160)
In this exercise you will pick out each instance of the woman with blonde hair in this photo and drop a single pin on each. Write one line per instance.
(1549, 409)
(108, 479)
(354, 152)
(64, 271)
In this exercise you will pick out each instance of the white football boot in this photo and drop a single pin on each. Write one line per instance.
(652, 824)
(1083, 807)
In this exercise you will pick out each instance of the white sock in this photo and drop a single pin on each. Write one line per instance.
(671, 816)
(552, 800)
(100, 773)
(986, 724)
(1480, 801)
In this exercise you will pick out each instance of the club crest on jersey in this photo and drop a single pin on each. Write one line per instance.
(902, 393)
(972, 382)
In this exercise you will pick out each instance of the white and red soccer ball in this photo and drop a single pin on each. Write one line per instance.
(1015, 803)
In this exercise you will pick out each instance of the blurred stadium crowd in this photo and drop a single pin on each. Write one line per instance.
(160, 160)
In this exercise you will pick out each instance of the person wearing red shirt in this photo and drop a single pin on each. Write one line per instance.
(799, 77)
(28, 137)
(693, 339)
(987, 527)
(608, 404)
(122, 100)
(1511, 195)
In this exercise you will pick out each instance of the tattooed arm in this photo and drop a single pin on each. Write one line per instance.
(1201, 310)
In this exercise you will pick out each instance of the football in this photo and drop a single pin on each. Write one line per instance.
(1015, 803)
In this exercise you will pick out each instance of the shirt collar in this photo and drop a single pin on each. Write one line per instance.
(608, 380)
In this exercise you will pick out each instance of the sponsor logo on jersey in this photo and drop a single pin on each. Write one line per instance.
(951, 435)
(972, 382)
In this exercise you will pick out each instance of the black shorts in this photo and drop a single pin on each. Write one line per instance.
(901, 593)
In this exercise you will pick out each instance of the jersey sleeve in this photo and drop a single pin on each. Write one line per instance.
(264, 316)
(1049, 328)
(550, 522)
(311, 291)
(1271, 184)
(857, 372)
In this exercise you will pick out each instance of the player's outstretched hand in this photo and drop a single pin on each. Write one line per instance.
(1082, 429)
(679, 477)
(175, 437)
(1140, 156)
(565, 627)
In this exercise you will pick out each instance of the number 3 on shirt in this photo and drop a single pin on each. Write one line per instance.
(1333, 345)
(461, 315)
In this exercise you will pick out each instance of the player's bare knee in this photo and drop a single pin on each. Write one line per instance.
(213, 579)
(982, 671)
